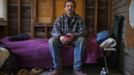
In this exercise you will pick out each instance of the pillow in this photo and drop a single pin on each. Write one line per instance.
(19, 37)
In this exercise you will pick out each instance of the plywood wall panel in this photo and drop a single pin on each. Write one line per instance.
(59, 7)
(44, 11)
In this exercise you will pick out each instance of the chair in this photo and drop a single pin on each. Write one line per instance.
(108, 46)
(115, 49)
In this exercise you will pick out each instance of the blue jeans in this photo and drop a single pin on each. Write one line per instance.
(79, 48)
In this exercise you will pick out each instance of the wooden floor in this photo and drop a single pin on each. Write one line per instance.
(89, 69)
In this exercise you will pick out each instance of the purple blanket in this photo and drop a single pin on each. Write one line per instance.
(35, 52)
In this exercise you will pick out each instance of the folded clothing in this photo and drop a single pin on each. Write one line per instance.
(19, 37)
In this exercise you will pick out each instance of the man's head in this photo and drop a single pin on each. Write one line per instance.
(69, 7)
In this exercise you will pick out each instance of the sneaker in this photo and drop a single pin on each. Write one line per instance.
(23, 72)
(78, 72)
(35, 71)
(55, 72)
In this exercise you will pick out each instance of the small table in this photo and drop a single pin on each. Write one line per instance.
(46, 29)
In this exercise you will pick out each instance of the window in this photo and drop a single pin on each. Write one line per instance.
(3, 9)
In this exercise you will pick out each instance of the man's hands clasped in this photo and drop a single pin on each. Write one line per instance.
(66, 39)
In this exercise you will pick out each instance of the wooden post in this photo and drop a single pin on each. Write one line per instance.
(96, 16)
(19, 16)
(109, 15)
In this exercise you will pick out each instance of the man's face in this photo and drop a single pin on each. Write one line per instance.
(69, 8)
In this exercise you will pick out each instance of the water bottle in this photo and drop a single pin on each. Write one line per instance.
(103, 71)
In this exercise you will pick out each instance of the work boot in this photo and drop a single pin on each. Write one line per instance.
(55, 72)
(79, 72)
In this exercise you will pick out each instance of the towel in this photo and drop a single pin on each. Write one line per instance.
(131, 15)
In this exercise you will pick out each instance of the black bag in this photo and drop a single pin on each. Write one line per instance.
(10, 66)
